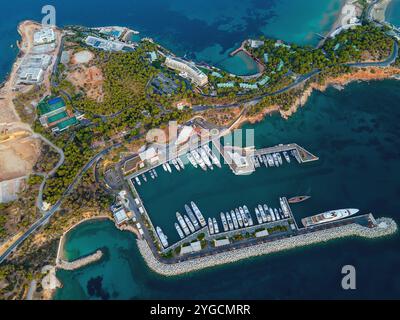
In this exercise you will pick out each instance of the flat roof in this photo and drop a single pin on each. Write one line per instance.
(120, 216)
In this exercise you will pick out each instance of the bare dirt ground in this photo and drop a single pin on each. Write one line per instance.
(90, 80)
(18, 150)
(82, 57)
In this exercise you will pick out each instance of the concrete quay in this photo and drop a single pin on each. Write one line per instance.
(384, 227)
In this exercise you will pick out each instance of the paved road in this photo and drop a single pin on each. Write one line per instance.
(48, 214)
(301, 80)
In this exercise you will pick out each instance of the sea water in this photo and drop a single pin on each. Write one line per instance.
(355, 134)
(203, 30)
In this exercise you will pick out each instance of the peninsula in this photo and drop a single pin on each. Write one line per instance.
(80, 103)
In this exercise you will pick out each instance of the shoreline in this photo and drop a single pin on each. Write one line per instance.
(60, 251)
(378, 11)
(196, 264)
(361, 74)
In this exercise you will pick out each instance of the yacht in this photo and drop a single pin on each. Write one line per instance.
(168, 167)
(270, 159)
(216, 228)
(189, 223)
(277, 214)
(295, 154)
(265, 161)
(162, 236)
(239, 216)
(144, 177)
(164, 167)
(224, 223)
(328, 216)
(138, 181)
(248, 215)
(286, 155)
(276, 161)
(213, 157)
(198, 159)
(192, 217)
(279, 157)
(205, 158)
(262, 213)
(234, 219)
(179, 230)
(210, 226)
(191, 160)
(258, 216)
(246, 221)
(155, 173)
(182, 223)
(180, 163)
(271, 212)
(229, 220)
(151, 174)
(198, 214)
(175, 164)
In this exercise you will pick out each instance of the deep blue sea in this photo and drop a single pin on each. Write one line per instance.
(354, 132)
(204, 30)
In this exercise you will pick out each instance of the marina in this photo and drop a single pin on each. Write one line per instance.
(231, 221)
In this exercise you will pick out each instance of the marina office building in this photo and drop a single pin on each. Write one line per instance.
(187, 70)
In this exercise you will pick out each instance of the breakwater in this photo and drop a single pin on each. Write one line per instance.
(76, 264)
(385, 226)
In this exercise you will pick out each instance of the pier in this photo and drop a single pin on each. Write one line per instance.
(261, 246)
(304, 155)
(76, 264)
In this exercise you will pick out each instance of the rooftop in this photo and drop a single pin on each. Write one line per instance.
(44, 35)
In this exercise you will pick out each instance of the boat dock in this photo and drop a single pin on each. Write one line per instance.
(303, 155)
(240, 160)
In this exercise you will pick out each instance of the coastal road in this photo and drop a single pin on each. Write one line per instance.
(48, 214)
(302, 79)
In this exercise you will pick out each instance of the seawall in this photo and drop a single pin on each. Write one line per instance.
(76, 264)
(386, 226)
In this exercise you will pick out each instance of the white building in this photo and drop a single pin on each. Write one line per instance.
(184, 135)
(29, 75)
(37, 61)
(188, 70)
(149, 155)
(120, 215)
(221, 242)
(43, 36)
(256, 43)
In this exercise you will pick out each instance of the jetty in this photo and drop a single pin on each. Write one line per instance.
(381, 227)
(241, 48)
(303, 155)
(76, 264)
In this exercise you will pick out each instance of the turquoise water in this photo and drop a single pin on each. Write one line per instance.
(393, 12)
(240, 64)
(204, 30)
(354, 133)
